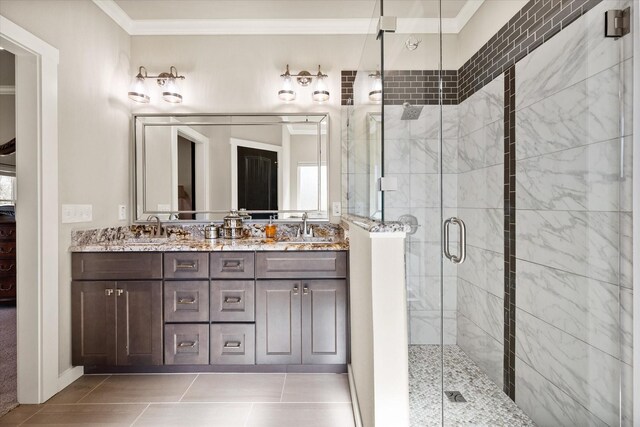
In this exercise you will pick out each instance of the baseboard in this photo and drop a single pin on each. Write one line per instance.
(354, 398)
(69, 376)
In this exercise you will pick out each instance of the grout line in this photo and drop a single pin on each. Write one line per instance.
(141, 413)
(97, 385)
(185, 392)
(246, 421)
(30, 416)
(283, 384)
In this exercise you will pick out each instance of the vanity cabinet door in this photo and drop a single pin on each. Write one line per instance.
(139, 323)
(116, 323)
(93, 306)
(278, 322)
(324, 321)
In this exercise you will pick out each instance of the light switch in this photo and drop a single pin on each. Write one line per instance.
(122, 212)
(77, 213)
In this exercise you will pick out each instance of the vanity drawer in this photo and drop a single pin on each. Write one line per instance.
(8, 266)
(232, 265)
(300, 265)
(115, 266)
(233, 344)
(232, 301)
(8, 232)
(186, 301)
(7, 249)
(182, 265)
(186, 344)
(7, 287)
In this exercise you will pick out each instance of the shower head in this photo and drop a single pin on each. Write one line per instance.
(411, 112)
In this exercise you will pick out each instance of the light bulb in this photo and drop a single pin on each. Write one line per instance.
(287, 93)
(375, 95)
(171, 91)
(320, 91)
(138, 90)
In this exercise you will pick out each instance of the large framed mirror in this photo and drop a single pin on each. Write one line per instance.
(197, 167)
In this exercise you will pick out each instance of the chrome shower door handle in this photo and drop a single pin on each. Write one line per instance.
(462, 240)
(445, 246)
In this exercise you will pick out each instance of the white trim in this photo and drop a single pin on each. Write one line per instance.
(116, 13)
(69, 376)
(355, 406)
(636, 213)
(7, 90)
(466, 13)
(37, 213)
(201, 160)
(235, 143)
(212, 27)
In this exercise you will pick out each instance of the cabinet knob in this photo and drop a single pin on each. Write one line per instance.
(305, 290)
(119, 292)
(108, 292)
(295, 290)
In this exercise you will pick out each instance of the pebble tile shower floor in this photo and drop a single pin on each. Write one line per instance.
(486, 404)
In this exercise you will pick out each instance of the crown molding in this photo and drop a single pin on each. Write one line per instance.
(210, 27)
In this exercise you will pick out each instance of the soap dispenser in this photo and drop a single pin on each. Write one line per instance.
(270, 229)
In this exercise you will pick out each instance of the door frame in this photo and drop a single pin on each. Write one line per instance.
(235, 143)
(201, 143)
(37, 213)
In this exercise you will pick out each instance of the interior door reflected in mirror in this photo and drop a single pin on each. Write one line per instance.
(198, 167)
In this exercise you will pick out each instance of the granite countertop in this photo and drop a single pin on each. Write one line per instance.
(183, 238)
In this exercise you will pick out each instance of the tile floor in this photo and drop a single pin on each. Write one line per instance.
(486, 404)
(220, 400)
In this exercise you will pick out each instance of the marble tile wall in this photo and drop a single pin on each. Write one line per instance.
(412, 156)
(573, 316)
(480, 282)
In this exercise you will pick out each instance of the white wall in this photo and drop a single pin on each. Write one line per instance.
(378, 319)
(93, 111)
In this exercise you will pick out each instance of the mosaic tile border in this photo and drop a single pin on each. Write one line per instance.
(509, 361)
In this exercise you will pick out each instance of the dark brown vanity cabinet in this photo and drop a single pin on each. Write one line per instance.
(116, 321)
(301, 320)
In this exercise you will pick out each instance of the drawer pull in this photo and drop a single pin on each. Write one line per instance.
(232, 344)
(193, 265)
(305, 290)
(187, 301)
(7, 288)
(9, 268)
(231, 263)
(8, 250)
(232, 300)
(187, 344)
(295, 290)
(7, 233)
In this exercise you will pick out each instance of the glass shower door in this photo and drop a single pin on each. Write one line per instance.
(509, 137)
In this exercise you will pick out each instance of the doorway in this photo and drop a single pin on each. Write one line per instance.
(257, 180)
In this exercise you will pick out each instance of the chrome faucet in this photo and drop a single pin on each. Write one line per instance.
(305, 230)
(159, 232)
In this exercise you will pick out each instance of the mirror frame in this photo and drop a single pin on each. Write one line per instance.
(323, 119)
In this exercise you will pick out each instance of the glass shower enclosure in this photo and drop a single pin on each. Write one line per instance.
(503, 132)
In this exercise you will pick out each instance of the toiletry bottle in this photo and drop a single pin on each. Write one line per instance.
(270, 229)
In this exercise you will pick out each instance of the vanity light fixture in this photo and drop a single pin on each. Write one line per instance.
(167, 81)
(375, 95)
(304, 78)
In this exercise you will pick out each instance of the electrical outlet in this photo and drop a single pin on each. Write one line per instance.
(122, 212)
(336, 209)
